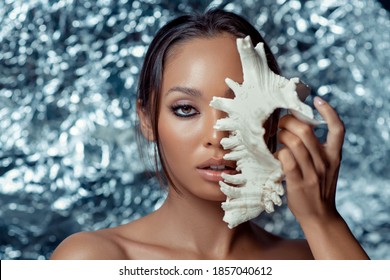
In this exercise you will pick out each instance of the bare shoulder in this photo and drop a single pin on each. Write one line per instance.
(99, 245)
(128, 241)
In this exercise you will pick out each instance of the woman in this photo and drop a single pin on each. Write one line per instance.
(186, 66)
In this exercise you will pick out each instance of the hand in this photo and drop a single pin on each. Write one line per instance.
(311, 168)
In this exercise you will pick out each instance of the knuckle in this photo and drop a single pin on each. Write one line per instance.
(340, 129)
(283, 154)
(313, 181)
(305, 131)
(289, 169)
(283, 121)
(322, 169)
(290, 166)
(288, 162)
(295, 143)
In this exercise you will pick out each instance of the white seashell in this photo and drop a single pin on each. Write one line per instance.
(259, 185)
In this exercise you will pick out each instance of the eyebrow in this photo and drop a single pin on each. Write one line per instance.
(193, 91)
(186, 90)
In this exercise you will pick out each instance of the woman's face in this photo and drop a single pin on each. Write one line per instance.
(194, 72)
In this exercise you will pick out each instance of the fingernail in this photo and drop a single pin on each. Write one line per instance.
(319, 101)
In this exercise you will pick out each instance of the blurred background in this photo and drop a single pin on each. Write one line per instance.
(68, 75)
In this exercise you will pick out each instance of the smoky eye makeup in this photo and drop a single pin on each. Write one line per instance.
(184, 110)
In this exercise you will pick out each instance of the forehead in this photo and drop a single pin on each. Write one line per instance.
(202, 60)
(224, 43)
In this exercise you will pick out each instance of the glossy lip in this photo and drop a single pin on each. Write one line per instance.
(215, 161)
(216, 175)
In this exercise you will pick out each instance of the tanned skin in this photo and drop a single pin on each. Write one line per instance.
(189, 225)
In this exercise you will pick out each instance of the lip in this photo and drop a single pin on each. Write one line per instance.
(215, 161)
(216, 175)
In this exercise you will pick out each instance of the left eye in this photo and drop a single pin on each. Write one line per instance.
(184, 111)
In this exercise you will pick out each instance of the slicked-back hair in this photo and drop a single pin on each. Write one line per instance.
(182, 29)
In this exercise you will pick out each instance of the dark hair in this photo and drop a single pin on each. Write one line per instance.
(184, 28)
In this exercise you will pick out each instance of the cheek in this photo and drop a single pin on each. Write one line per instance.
(178, 139)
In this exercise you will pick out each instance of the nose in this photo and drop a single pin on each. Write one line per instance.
(213, 137)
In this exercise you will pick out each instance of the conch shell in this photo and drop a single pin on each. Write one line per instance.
(258, 185)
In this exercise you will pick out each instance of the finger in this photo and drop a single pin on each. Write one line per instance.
(289, 165)
(300, 153)
(306, 134)
(336, 129)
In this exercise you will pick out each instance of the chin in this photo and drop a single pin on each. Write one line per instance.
(212, 192)
(209, 191)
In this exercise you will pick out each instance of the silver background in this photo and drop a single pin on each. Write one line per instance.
(68, 72)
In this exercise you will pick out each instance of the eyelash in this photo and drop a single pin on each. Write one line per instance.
(176, 107)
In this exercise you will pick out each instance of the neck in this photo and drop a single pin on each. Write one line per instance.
(198, 224)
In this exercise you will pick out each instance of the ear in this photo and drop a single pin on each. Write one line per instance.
(145, 122)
